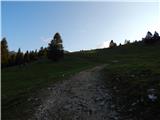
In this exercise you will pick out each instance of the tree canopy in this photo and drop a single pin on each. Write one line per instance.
(150, 39)
(112, 44)
(4, 52)
(55, 48)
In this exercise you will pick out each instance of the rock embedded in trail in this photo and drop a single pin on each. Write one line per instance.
(82, 97)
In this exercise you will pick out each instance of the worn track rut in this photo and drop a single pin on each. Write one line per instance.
(82, 97)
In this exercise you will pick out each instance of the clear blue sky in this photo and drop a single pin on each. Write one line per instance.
(82, 25)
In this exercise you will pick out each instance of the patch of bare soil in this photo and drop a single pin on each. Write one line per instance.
(82, 97)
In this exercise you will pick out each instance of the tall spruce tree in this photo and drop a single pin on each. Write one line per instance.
(156, 37)
(40, 52)
(19, 57)
(26, 57)
(55, 48)
(112, 44)
(149, 38)
(4, 52)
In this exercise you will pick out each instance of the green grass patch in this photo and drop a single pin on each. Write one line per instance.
(133, 85)
(133, 76)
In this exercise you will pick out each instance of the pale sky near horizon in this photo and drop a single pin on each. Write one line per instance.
(82, 25)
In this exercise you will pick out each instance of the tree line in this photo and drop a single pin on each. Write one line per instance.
(54, 51)
(149, 39)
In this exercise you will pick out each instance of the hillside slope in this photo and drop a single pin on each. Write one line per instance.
(132, 75)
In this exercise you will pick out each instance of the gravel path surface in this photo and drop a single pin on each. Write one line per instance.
(82, 97)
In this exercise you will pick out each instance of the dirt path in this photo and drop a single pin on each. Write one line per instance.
(82, 97)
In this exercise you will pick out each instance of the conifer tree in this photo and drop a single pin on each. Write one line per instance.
(55, 48)
(40, 52)
(112, 44)
(19, 57)
(4, 52)
(156, 37)
(26, 57)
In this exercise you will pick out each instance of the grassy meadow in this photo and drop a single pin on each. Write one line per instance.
(133, 76)
(132, 73)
